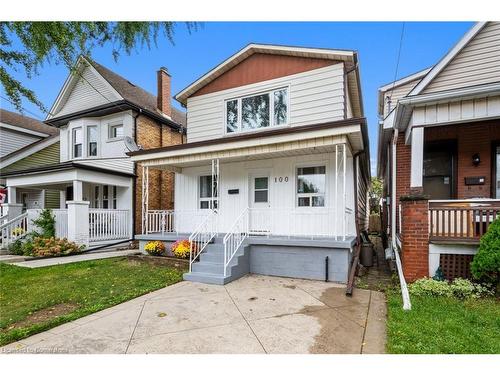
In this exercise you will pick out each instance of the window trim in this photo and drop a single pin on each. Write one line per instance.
(73, 143)
(319, 163)
(206, 199)
(271, 110)
(112, 125)
(87, 141)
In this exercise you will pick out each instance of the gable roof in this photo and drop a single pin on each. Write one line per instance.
(252, 48)
(438, 68)
(123, 89)
(26, 123)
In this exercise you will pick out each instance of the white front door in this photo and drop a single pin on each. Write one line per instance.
(260, 218)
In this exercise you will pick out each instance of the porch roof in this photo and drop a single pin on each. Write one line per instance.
(64, 173)
(300, 140)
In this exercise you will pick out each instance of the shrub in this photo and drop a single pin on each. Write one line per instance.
(53, 247)
(16, 247)
(486, 263)
(46, 222)
(458, 288)
(155, 248)
(181, 249)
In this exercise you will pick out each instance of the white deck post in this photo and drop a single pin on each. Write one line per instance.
(12, 209)
(78, 216)
(336, 187)
(145, 199)
(344, 192)
(417, 158)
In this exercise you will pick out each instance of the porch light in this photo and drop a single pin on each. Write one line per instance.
(476, 160)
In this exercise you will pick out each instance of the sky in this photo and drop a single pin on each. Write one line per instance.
(193, 54)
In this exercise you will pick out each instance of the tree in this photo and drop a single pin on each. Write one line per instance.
(376, 192)
(26, 46)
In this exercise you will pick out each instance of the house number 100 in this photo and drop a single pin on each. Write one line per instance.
(281, 179)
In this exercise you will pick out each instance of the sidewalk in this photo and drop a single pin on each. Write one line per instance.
(72, 258)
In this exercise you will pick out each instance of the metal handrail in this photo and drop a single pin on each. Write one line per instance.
(201, 237)
(235, 237)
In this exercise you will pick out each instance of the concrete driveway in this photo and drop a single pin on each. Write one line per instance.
(255, 314)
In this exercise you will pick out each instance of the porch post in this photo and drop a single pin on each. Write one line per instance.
(12, 208)
(417, 160)
(144, 198)
(78, 216)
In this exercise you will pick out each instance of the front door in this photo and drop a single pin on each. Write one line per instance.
(438, 173)
(260, 211)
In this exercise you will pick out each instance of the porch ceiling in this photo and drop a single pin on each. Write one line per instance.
(261, 152)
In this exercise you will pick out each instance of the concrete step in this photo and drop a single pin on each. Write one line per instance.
(206, 278)
(208, 267)
(212, 257)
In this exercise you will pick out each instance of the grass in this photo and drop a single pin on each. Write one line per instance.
(29, 297)
(443, 325)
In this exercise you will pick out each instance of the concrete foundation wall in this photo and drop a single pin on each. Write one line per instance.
(300, 262)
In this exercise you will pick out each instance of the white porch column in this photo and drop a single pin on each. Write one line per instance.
(78, 216)
(12, 209)
(417, 158)
(77, 190)
(78, 222)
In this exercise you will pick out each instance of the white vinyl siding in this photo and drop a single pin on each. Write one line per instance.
(281, 192)
(90, 91)
(476, 64)
(11, 141)
(315, 96)
(398, 93)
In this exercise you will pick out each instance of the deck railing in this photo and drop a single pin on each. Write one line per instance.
(106, 224)
(235, 237)
(13, 229)
(171, 221)
(461, 220)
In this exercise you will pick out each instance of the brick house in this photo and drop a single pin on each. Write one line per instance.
(95, 112)
(439, 156)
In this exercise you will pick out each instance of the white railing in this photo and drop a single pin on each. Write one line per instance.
(170, 221)
(60, 216)
(13, 229)
(107, 224)
(235, 237)
(202, 236)
(298, 222)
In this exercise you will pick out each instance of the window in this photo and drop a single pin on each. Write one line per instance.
(257, 111)
(114, 197)
(116, 131)
(105, 196)
(91, 140)
(208, 199)
(261, 189)
(311, 186)
(77, 141)
(96, 196)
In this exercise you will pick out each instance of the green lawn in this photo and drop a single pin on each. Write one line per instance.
(443, 325)
(34, 300)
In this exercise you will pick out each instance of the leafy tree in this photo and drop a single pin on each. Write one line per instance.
(375, 194)
(26, 46)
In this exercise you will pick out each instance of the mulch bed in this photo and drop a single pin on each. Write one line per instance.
(44, 315)
(160, 261)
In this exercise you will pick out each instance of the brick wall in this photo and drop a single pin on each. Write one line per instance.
(470, 139)
(403, 162)
(415, 239)
(151, 134)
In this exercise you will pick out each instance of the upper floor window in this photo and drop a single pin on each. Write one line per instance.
(115, 131)
(77, 142)
(257, 111)
(92, 141)
(311, 186)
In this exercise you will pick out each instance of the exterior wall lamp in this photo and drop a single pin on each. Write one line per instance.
(476, 160)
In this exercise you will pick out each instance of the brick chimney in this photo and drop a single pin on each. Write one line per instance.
(163, 98)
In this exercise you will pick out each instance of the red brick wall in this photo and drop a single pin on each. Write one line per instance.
(470, 138)
(415, 239)
(403, 162)
(151, 134)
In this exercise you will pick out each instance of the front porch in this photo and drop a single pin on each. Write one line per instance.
(92, 207)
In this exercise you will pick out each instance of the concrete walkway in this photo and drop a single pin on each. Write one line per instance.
(37, 263)
(255, 314)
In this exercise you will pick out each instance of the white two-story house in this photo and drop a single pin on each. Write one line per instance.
(273, 177)
(94, 112)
